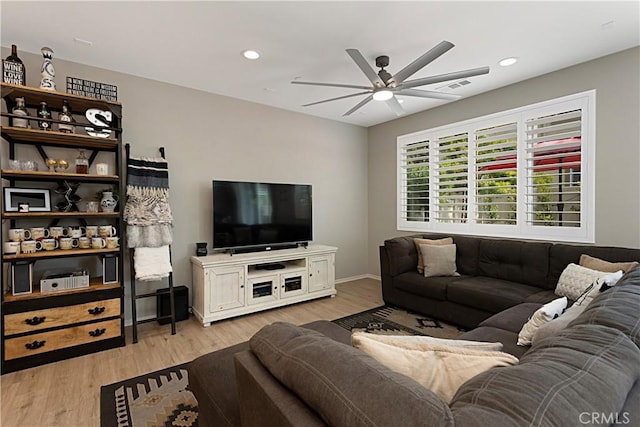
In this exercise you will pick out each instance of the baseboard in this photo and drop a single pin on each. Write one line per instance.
(359, 277)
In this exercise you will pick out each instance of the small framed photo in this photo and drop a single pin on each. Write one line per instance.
(35, 199)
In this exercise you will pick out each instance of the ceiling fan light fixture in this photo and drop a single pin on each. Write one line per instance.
(382, 95)
(251, 54)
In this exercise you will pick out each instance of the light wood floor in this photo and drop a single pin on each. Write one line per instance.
(67, 393)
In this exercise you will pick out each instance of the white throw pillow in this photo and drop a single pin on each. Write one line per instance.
(439, 260)
(544, 314)
(438, 367)
(575, 279)
(418, 241)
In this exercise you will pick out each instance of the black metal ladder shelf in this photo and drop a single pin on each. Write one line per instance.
(135, 297)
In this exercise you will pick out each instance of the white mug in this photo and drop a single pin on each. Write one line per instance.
(91, 231)
(106, 231)
(76, 231)
(84, 242)
(102, 169)
(39, 233)
(19, 234)
(11, 248)
(68, 243)
(49, 244)
(111, 242)
(30, 246)
(98, 243)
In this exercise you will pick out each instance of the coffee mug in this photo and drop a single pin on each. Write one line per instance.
(102, 169)
(49, 244)
(111, 242)
(84, 242)
(19, 234)
(93, 206)
(98, 243)
(68, 243)
(106, 231)
(58, 232)
(11, 248)
(76, 231)
(91, 230)
(39, 233)
(30, 246)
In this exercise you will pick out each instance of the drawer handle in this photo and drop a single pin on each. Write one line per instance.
(96, 311)
(97, 332)
(34, 345)
(35, 320)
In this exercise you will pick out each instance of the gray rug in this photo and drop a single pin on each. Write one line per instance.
(387, 320)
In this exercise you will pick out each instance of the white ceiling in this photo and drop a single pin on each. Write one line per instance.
(199, 44)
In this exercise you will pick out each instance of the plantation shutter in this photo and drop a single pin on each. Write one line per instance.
(554, 154)
(414, 179)
(451, 178)
(496, 159)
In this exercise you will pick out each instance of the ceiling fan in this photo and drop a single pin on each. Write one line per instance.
(386, 86)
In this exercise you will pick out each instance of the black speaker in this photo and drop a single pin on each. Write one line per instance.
(21, 278)
(181, 304)
(110, 269)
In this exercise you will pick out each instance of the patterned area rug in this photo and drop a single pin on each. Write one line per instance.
(387, 320)
(159, 398)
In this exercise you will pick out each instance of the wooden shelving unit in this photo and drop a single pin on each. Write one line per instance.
(67, 337)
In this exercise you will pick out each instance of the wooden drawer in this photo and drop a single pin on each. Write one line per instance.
(54, 340)
(36, 320)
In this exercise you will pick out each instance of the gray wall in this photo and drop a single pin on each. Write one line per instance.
(616, 81)
(210, 137)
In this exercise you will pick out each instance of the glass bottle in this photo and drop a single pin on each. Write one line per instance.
(13, 70)
(82, 163)
(20, 110)
(65, 116)
(44, 113)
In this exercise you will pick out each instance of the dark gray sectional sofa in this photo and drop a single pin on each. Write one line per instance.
(587, 374)
(495, 274)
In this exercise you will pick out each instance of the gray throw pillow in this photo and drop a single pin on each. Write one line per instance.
(439, 260)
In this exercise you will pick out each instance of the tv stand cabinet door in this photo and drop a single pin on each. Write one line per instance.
(226, 288)
(321, 272)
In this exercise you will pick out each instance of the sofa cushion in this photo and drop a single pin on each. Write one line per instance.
(488, 294)
(493, 334)
(342, 384)
(584, 369)
(512, 318)
(402, 255)
(542, 297)
(432, 287)
(439, 367)
(515, 261)
(467, 249)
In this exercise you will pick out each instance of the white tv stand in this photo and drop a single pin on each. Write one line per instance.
(226, 285)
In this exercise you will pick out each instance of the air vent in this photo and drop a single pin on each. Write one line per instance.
(455, 85)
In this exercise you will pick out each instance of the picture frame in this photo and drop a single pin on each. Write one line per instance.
(38, 199)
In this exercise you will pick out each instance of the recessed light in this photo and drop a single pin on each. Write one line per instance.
(251, 54)
(508, 61)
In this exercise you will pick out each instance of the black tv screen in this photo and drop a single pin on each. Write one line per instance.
(260, 215)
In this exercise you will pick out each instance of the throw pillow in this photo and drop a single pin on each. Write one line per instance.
(602, 265)
(439, 260)
(544, 314)
(418, 242)
(575, 279)
(438, 367)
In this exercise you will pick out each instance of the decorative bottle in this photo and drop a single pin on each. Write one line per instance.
(82, 163)
(13, 70)
(44, 113)
(65, 116)
(20, 110)
(108, 202)
(48, 72)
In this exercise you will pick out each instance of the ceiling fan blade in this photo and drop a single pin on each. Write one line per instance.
(360, 104)
(335, 99)
(421, 62)
(444, 77)
(297, 82)
(365, 67)
(427, 94)
(395, 106)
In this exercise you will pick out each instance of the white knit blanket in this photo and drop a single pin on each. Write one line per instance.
(152, 263)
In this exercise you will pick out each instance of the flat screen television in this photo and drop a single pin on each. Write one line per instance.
(260, 216)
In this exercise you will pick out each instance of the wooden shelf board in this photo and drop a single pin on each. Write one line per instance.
(46, 175)
(58, 253)
(95, 284)
(52, 138)
(26, 215)
(33, 96)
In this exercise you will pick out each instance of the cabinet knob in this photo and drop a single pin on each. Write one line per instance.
(96, 311)
(35, 345)
(242, 286)
(97, 332)
(34, 321)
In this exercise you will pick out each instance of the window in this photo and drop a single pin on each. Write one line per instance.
(527, 172)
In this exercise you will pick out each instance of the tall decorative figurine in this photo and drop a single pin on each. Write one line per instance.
(48, 73)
